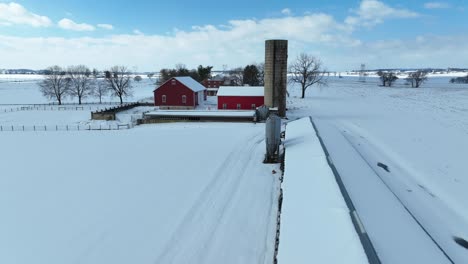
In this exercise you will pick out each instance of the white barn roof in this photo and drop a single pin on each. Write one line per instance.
(191, 83)
(241, 91)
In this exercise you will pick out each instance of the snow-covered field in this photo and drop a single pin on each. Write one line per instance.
(198, 193)
(167, 193)
(415, 142)
(175, 193)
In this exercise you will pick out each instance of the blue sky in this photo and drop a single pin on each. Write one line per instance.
(148, 35)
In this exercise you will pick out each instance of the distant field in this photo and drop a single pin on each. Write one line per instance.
(28, 92)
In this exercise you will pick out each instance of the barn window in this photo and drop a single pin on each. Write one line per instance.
(173, 82)
(164, 98)
(184, 99)
(238, 106)
(254, 106)
(224, 106)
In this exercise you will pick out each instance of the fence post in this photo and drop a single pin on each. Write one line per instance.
(23, 127)
(34, 127)
(56, 127)
(45, 127)
(67, 127)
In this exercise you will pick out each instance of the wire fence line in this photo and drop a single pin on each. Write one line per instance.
(89, 127)
(51, 108)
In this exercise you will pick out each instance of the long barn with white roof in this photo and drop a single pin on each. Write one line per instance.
(240, 97)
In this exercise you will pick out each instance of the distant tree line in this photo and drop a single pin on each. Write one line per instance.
(251, 75)
(199, 74)
(79, 82)
(459, 80)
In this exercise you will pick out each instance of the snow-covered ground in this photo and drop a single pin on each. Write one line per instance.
(166, 193)
(179, 193)
(414, 143)
(174, 193)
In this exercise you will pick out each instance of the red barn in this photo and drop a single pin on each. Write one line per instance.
(179, 93)
(240, 97)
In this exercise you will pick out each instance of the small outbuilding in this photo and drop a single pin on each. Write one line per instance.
(179, 93)
(240, 97)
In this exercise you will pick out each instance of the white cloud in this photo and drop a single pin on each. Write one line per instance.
(137, 32)
(106, 26)
(237, 43)
(437, 5)
(286, 11)
(72, 25)
(16, 14)
(373, 12)
(420, 52)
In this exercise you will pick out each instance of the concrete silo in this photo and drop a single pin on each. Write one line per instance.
(276, 69)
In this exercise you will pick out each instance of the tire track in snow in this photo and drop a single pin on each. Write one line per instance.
(191, 239)
(233, 192)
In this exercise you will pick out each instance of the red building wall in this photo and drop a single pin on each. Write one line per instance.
(244, 101)
(174, 92)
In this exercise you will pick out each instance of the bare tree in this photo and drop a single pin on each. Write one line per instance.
(119, 81)
(261, 73)
(307, 70)
(81, 82)
(236, 76)
(100, 88)
(417, 78)
(55, 84)
(387, 78)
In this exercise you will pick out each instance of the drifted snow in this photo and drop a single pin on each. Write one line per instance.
(175, 193)
(421, 135)
(316, 225)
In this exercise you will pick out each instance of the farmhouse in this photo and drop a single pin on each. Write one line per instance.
(212, 85)
(179, 93)
(240, 97)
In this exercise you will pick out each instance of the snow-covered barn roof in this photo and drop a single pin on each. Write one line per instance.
(241, 91)
(191, 83)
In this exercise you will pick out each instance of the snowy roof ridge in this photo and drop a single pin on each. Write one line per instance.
(241, 91)
(190, 83)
